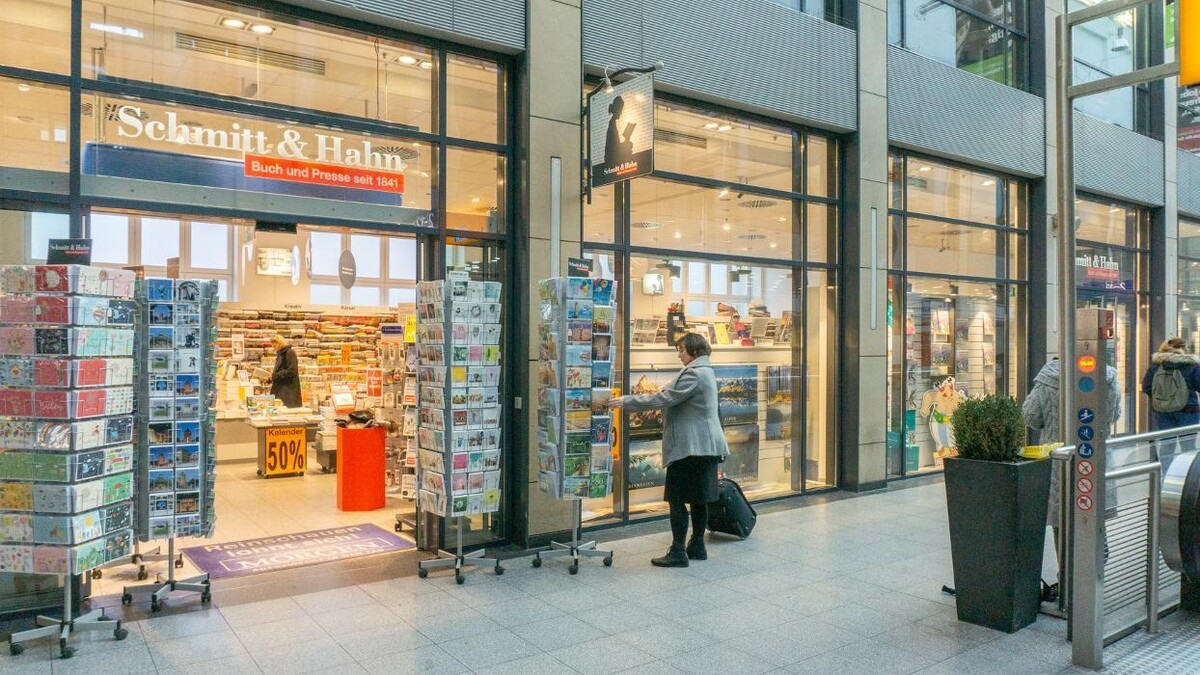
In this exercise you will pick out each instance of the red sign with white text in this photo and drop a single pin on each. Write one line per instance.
(323, 174)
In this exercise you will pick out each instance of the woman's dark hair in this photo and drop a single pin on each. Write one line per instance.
(617, 105)
(694, 344)
(1174, 344)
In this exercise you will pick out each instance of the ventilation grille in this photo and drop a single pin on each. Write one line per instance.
(680, 138)
(757, 203)
(110, 111)
(249, 54)
(404, 152)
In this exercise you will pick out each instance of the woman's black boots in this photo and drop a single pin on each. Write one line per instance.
(676, 557)
(695, 548)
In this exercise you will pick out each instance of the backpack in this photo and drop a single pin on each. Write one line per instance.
(1169, 390)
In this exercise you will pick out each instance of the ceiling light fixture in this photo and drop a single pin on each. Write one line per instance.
(117, 30)
(989, 183)
(726, 126)
(22, 88)
(679, 235)
(474, 200)
(726, 226)
(261, 29)
(925, 168)
(711, 126)
(408, 60)
(232, 23)
(427, 65)
(774, 245)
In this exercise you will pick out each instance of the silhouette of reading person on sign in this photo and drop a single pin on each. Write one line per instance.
(618, 147)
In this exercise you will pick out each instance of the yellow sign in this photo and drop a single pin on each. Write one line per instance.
(410, 329)
(286, 451)
(1188, 49)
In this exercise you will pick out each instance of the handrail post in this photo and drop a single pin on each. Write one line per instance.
(1152, 550)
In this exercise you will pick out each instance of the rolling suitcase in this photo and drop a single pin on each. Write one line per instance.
(731, 513)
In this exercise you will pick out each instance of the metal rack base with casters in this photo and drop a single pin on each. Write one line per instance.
(458, 560)
(576, 548)
(160, 590)
(48, 626)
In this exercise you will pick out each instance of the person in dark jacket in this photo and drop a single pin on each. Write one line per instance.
(1173, 355)
(285, 379)
(693, 444)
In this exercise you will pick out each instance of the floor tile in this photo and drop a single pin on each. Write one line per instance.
(267, 636)
(180, 653)
(266, 611)
(620, 618)
(665, 641)
(131, 658)
(290, 656)
(538, 664)
(432, 660)
(481, 650)
(518, 612)
(563, 631)
(859, 619)
(183, 625)
(453, 625)
(721, 658)
(230, 665)
(372, 644)
(357, 619)
(337, 598)
(603, 656)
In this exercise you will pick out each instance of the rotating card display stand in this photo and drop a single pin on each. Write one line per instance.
(176, 436)
(65, 432)
(458, 417)
(575, 431)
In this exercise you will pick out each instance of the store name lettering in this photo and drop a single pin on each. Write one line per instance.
(1098, 262)
(324, 148)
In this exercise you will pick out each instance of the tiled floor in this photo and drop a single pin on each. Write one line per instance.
(249, 507)
(850, 586)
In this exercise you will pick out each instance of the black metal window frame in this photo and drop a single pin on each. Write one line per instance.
(1016, 30)
(432, 241)
(623, 251)
(1004, 282)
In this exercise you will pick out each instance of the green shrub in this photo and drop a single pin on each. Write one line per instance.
(989, 429)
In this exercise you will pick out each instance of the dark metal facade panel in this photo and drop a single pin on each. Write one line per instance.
(1115, 162)
(1188, 176)
(935, 108)
(496, 23)
(750, 54)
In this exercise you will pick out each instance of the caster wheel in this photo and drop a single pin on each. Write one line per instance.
(120, 634)
(16, 649)
(155, 605)
(608, 561)
(127, 599)
(179, 564)
(423, 573)
(397, 527)
(97, 574)
(141, 575)
(459, 578)
(537, 562)
(574, 568)
(65, 651)
(499, 570)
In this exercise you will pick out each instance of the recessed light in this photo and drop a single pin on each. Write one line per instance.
(711, 126)
(24, 118)
(261, 29)
(1114, 209)
(427, 65)
(774, 245)
(726, 227)
(782, 219)
(474, 200)
(408, 60)
(235, 24)
(116, 30)
(925, 168)
(989, 183)
(22, 87)
(679, 235)
(725, 127)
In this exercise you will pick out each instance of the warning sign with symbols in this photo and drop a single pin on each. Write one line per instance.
(1084, 485)
(1085, 468)
(1084, 502)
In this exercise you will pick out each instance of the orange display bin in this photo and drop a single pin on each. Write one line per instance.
(360, 469)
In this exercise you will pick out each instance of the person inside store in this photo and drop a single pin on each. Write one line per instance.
(285, 378)
(1171, 382)
(1040, 411)
(692, 446)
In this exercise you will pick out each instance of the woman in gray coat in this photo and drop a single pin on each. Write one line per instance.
(692, 446)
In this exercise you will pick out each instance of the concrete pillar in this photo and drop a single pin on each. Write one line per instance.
(551, 117)
(1170, 216)
(1047, 293)
(864, 396)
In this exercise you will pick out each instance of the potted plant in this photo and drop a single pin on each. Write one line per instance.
(997, 506)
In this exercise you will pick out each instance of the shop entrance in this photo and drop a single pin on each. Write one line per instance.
(340, 298)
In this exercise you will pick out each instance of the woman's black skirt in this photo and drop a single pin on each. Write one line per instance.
(692, 480)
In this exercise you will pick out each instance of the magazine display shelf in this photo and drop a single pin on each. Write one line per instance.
(65, 432)
(459, 409)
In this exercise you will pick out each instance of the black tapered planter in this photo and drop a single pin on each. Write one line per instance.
(997, 535)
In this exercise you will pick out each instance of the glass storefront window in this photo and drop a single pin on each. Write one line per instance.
(956, 302)
(672, 215)
(820, 349)
(984, 37)
(37, 35)
(475, 190)
(722, 147)
(822, 169)
(247, 54)
(1189, 283)
(1102, 48)
(476, 99)
(34, 132)
(599, 223)
(42, 228)
(1105, 223)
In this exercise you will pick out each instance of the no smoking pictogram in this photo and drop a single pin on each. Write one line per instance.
(1085, 485)
(1085, 468)
(1084, 503)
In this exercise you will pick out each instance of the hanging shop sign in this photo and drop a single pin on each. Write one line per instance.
(285, 451)
(621, 131)
(1189, 119)
(274, 262)
(347, 269)
(69, 252)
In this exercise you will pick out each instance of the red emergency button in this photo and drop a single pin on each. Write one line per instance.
(1086, 363)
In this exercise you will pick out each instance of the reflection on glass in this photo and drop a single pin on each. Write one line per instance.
(821, 375)
(607, 266)
(1124, 349)
(222, 51)
(706, 144)
(42, 228)
(210, 245)
(366, 249)
(953, 192)
(758, 370)
(822, 232)
(1104, 223)
(599, 224)
(822, 166)
(475, 99)
(37, 36)
(34, 127)
(1102, 48)
(475, 191)
(670, 215)
(951, 248)
(110, 238)
(980, 41)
